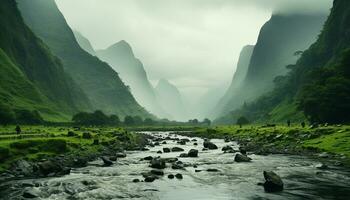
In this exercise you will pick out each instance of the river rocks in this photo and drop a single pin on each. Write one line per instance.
(243, 150)
(273, 183)
(120, 155)
(164, 142)
(321, 166)
(242, 158)
(197, 170)
(157, 172)
(49, 167)
(213, 170)
(79, 162)
(324, 155)
(113, 158)
(195, 144)
(182, 142)
(209, 145)
(166, 150)
(150, 179)
(226, 148)
(177, 149)
(179, 176)
(178, 165)
(106, 161)
(148, 158)
(171, 176)
(183, 155)
(158, 163)
(159, 152)
(170, 160)
(23, 167)
(31, 193)
(193, 153)
(136, 180)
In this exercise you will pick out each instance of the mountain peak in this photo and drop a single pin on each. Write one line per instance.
(122, 46)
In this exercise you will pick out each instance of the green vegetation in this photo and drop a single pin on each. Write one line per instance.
(97, 79)
(278, 40)
(317, 86)
(38, 142)
(31, 78)
(294, 139)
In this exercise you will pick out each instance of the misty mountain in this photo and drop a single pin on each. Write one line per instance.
(279, 39)
(121, 57)
(318, 85)
(204, 107)
(84, 43)
(97, 79)
(31, 77)
(238, 78)
(171, 100)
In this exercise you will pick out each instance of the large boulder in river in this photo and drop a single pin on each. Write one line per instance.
(166, 150)
(106, 161)
(158, 163)
(193, 153)
(227, 148)
(120, 155)
(242, 158)
(273, 183)
(177, 149)
(49, 167)
(209, 145)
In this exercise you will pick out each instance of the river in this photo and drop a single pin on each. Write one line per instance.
(302, 180)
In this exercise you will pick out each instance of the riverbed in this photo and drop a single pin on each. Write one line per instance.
(229, 179)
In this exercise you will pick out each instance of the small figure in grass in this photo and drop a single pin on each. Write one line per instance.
(303, 124)
(288, 123)
(18, 130)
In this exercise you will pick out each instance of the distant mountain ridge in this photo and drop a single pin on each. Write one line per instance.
(171, 100)
(131, 70)
(97, 79)
(84, 43)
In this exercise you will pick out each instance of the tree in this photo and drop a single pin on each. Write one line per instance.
(129, 121)
(114, 120)
(99, 118)
(207, 121)
(138, 120)
(148, 121)
(242, 121)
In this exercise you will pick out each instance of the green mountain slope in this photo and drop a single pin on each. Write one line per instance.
(131, 70)
(279, 39)
(318, 85)
(97, 79)
(31, 77)
(238, 78)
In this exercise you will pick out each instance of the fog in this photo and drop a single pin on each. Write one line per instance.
(195, 44)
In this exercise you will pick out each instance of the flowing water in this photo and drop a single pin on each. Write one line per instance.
(302, 180)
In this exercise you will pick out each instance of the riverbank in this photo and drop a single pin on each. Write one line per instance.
(41, 151)
(328, 144)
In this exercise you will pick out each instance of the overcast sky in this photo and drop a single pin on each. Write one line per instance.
(193, 43)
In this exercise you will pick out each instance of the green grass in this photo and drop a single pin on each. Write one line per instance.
(55, 141)
(332, 139)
